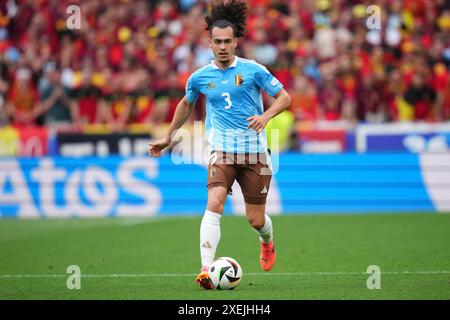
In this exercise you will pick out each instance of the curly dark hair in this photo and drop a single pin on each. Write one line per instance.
(231, 13)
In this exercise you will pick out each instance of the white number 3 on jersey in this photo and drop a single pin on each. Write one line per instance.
(227, 99)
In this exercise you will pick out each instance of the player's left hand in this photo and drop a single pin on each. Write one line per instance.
(258, 122)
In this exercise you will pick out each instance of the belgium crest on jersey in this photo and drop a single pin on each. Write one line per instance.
(239, 80)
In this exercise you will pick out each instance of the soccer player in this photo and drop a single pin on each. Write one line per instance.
(235, 120)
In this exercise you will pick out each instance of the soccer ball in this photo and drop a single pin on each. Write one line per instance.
(225, 273)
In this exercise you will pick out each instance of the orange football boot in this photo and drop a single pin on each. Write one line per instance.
(268, 256)
(203, 279)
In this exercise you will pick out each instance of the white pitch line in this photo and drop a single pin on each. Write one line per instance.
(142, 275)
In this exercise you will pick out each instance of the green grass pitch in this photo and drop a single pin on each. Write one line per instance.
(319, 257)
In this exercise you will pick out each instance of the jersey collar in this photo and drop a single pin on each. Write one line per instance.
(233, 65)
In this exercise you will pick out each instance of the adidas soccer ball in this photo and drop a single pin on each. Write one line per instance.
(225, 273)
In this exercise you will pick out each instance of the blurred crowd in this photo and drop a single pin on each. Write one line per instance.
(129, 61)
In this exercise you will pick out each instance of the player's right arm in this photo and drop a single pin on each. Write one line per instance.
(182, 113)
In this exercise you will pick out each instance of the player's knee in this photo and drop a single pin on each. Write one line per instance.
(256, 223)
(215, 205)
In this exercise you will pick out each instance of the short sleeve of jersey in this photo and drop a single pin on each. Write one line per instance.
(267, 81)
(192, 91)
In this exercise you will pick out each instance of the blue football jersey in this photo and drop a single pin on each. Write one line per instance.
(232, 96)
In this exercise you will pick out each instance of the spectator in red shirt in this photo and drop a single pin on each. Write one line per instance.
(330, 99)
(22, 104)
(304, 103)
(85, 98)
(371, 106)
